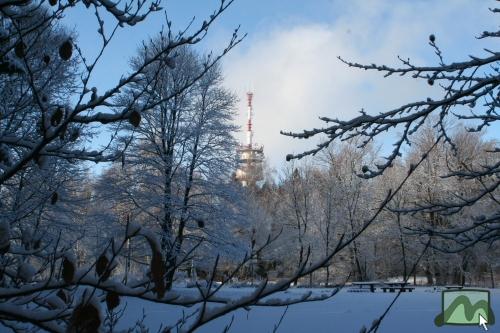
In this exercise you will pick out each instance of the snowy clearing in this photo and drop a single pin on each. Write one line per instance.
(345, 312)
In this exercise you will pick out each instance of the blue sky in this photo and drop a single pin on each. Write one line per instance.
(289, 56)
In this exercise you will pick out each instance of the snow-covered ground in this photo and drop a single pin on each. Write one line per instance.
(345, 312)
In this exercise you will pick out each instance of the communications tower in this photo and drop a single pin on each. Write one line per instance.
(251, 155)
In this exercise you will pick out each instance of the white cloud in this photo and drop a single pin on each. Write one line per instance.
(296, 76)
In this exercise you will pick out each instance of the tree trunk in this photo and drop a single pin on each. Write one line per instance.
(327, 283)
(428, 275)
(492, 277)
(359, 270)
(403, 250)
(465, 263)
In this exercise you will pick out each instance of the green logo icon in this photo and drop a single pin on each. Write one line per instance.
(465, 307)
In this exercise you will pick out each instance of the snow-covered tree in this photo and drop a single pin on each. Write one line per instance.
(51, 285)
(177, 169)
(47, 114)
(469, 92)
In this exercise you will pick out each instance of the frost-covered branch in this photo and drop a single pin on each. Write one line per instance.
(470, 93)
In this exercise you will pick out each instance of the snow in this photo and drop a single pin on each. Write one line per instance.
(54, 302)
(345, 312)
(151, 238)
(71, 257)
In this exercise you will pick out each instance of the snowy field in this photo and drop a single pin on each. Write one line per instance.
(345, 312)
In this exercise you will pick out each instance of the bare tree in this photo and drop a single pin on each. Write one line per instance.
(179, 164)
(355, 203)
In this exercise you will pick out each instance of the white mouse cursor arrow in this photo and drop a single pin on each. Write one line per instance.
(483, 322)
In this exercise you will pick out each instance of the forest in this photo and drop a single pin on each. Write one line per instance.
(165, 212)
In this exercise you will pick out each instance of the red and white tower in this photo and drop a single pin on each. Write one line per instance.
(251, 155)
(249, 119)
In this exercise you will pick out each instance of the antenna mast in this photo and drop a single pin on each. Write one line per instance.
(251, 155)
(249, 120)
